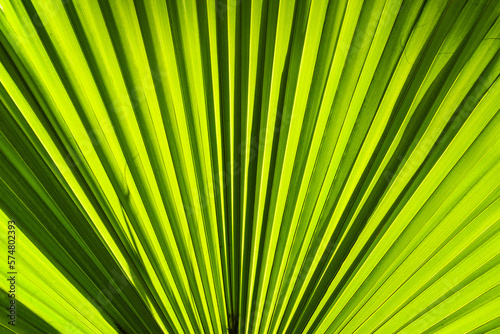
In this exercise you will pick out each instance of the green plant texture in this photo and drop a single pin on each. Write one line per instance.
(250, 166)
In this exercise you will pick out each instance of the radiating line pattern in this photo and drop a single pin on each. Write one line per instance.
(251, 166)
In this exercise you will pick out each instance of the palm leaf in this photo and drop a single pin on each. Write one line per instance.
(259, 166)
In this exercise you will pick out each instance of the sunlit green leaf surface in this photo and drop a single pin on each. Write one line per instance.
(263, 166)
